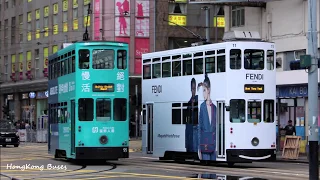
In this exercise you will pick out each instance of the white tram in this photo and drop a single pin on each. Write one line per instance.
(211, 102)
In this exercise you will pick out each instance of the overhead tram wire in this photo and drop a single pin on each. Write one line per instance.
(194, 34)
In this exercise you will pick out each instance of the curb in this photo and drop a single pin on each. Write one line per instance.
(292, 161)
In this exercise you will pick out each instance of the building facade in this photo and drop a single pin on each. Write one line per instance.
(31, 30)
(286, 24)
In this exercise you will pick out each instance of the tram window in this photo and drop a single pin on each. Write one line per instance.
(119, 109)
(69, 65)
(73, 64)
(122, 59)
(198, 66)
(176, 116)
(66, 66)
(221, 63)
(62, 68)
(156, 71)
(58, 69)
(210, 65)
(85, 111)
(103, 59)
(84, 59)
(254, 59)
(166, 69)
(176, 57)
(270, 60)
(176, 68)
(235, 59)
(187, 67)
(268, 111)
(147, 71)
(103, 109)
(254, 111)
(237, 110)
(144, 114)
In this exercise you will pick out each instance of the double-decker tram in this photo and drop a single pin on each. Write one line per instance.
(88, 101)
(213, 102)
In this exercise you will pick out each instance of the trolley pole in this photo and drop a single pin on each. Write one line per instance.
(313, 134)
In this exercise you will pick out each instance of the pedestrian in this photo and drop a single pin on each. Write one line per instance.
(290, 129)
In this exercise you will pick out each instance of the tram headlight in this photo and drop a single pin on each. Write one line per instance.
(255, 141)
(103, 139)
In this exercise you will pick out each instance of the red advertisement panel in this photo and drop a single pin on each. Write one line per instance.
(137, 66)
(142, 46)
(123, 39)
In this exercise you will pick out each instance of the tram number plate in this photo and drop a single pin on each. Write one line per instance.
(8, 139)
(125, 150)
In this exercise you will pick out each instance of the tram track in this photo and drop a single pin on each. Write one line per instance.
(236, 171)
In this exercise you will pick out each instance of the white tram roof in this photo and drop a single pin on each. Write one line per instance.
(229, 37)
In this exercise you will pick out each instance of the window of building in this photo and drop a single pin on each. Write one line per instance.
(55, 18)
(84, 59)
(156, 71)
(102, 59)
(122, 59)
(13, 30)
(166, 69)
(6, 64)
(119, 109)
(13, 3)
(36, 63)
(268, 111)
(65, 11)
(254, 59)
(237, 110)
(6, 4)
(176, 113)
(103, 109)
(147, 71)
(85, 111)
(270, 60)
(254, 111)
(75, 14)
(238, 16)
(235, 59)
(21, 28)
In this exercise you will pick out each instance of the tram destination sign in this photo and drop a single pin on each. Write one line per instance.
(103, 87)
(254, 88)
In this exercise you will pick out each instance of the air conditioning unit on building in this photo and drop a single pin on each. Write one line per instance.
(298, 53)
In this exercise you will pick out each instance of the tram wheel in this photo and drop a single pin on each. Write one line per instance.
(230, 164)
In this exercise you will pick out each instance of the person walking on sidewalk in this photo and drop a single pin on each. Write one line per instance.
(290, 129)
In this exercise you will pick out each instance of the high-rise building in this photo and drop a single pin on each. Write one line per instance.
(31, 30)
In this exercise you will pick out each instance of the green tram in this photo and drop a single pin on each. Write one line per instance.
(88, 101)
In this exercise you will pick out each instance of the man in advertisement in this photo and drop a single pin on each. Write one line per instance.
(191, 136)
(207, 124)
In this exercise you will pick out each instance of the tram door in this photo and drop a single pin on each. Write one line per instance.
(73, 109)
(221, 129)
(149, 128)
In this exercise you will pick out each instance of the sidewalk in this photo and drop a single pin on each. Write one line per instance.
(301, 159)
(135, 145)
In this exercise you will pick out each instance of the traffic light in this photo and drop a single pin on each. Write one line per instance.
(5, 110)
